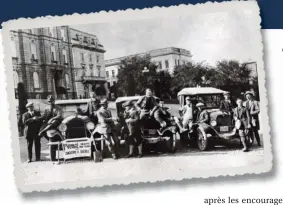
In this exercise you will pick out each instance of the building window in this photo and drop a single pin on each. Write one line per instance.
(30, 31)
(113, 73)
(90, 58)
(35, 80)
(176, 62)
(107, 74)
(14, 49)
(85, 39)
(92, 41)
(97, 58)
(63, 34)
(98, 70)
(16, 79)
(53, 53)
(65, 56)
(67, 81)
(160, 65)
(51, 31)
(166, 64)
(91, 69)
(33, 51)
(82, 57)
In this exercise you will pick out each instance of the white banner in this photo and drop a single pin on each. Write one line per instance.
(77, 149)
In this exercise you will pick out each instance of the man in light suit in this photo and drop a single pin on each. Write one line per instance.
(253, 108)
(32, 122)
(106, 126)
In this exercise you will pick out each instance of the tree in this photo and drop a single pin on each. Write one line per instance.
(22, 96)
(233, 77)
(132, 80)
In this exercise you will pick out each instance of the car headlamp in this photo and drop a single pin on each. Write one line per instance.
(63, 127)
(213, 123)
(90, 126)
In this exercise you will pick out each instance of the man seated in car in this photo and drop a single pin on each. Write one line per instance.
(242, 114)
(52, 116)
(146, 105)
(106, 126)
(226, 105)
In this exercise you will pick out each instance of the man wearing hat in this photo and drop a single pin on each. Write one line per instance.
(241, 113)
(91, 109)
(202, 116)
(226, 105)
(106, 126)
(132, 120)
(32, 122)
(52, 116)
(253, 108)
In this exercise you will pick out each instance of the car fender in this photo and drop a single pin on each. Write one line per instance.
(52, 133)
(171, 129)
(206, 129)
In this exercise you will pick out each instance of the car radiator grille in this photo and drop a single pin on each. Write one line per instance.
(76, 129)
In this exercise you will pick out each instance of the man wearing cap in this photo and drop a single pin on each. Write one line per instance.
(202, 116)
(253, 108)
(106, 126)
(92, 108)
(32, 122)
(52, 116)
(241, 113)
(132, 120)
(226, 105)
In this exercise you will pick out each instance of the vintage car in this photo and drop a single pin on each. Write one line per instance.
(221, 129)
(73, 134)
(151, 133)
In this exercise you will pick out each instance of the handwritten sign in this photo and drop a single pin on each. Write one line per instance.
(77, 149)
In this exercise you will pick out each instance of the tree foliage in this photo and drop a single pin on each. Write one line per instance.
(132, 80)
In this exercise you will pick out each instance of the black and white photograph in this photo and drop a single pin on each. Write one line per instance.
(137, 96)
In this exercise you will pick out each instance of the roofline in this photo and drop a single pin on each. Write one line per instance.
(108, 61)
(82, 32)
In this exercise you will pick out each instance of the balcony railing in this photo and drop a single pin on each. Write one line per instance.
(92, 78)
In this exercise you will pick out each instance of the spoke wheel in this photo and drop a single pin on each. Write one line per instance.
(202, 141)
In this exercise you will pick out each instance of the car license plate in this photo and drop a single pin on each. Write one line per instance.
(224, 128)
(151, 132)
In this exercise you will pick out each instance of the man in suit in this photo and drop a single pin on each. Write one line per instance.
(106, 126)
(146, 105)
(52, 116)
(226, 105)
(253, 108)
(92, 108)
(131, 116)
(32, 122)
(241, 113)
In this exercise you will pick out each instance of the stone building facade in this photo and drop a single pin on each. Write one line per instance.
(165, 58)
(45, 61)
(88, 58)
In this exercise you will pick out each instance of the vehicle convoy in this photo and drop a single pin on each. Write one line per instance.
(74, 132)
(151, 133)
(221, 129)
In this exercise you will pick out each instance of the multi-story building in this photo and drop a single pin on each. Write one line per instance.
(42, 60)
(165, 58)
(88, 58)
(48, 61)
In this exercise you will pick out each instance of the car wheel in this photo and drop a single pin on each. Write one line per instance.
(202, 140)
(171, 143)
(52, 152)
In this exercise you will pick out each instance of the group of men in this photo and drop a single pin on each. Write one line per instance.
(247, 113)
(135, 115)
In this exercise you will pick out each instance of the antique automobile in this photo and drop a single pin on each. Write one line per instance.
(220, 131)
(151, 133)
(73, 134)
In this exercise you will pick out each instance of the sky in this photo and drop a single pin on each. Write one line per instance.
(209, 37)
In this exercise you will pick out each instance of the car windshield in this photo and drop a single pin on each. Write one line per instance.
(210, 101)
(71, 109)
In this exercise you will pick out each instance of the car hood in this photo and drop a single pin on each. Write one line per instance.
(214, 113)
(69, 118)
